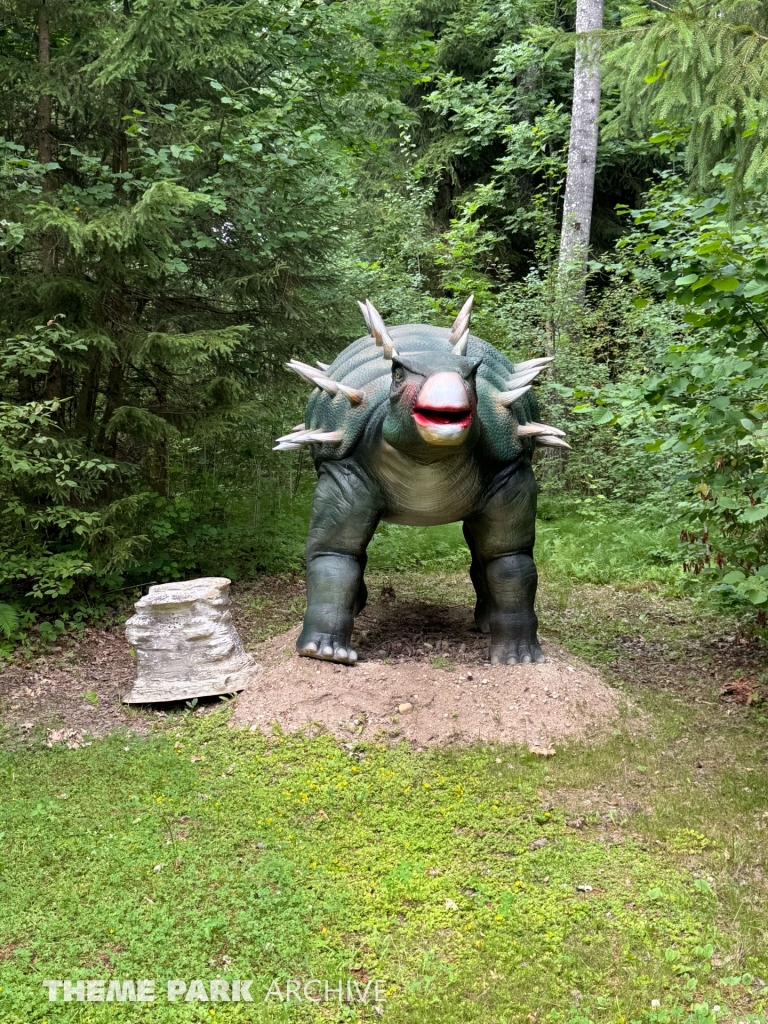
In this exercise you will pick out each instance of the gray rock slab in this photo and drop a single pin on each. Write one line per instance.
(186, 644)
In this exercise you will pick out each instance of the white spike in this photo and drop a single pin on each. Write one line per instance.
(364, 311)
(354, 396)
(323, 366)
(523, 377)
(333, 387)
(379, 331)
(548, 441)
(530, 363)
(461, 323)
(508, 397)
(299, 426)
(460, 348)
(284, 446)
(375, 322)
(319, 436)
(539, 429)
(296, 440)
(304, 370)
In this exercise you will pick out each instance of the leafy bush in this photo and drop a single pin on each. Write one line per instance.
(703, 262)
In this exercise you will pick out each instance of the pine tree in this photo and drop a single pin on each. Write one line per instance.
(172, 188)
(697, 75)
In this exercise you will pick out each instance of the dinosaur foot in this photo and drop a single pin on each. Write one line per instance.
(517, 652)
(326, 647)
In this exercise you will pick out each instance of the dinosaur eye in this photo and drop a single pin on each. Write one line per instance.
(399, 376)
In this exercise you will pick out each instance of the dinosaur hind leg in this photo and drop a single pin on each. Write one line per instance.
(361, 600)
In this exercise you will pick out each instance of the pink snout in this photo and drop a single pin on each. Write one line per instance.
(443, 400)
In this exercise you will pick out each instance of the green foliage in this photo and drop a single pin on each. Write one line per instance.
(698, 73)
(702, 390)
(169, 229)
(9, 620)
(469, 198)
(190, 196)
(494, 122)
(47, 480)
(593, 540)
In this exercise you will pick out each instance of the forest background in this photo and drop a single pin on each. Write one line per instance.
(192, 193)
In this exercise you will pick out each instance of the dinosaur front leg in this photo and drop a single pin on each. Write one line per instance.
(501, 540)
(483, 604)
(345, 513)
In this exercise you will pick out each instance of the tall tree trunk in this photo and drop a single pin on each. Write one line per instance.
(582, 151)
(45, 103)
(112, 398)
(88, 396)
(44, 137)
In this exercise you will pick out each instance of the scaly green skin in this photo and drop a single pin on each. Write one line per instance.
(384, 469)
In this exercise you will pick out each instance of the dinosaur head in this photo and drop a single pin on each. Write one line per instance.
(432, 403)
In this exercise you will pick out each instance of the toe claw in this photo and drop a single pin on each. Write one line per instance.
(526, 659)
(512, 659)
(326, 651)
(495, 660)
(351, 656)
(309, 650)
(340, 654)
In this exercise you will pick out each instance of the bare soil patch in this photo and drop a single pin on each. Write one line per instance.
(73, 692)
(424, 676)
(412, 652)
(423, 639)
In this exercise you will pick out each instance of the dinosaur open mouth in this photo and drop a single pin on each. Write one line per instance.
(442, 417)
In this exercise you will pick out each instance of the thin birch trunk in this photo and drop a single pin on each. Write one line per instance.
(582, 151)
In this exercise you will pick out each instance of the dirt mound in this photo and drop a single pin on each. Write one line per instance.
(424, 658)
(408, 685)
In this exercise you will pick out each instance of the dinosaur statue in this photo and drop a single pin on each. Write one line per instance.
(422, 425)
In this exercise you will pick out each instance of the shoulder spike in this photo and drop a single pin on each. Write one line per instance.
(521, 377)
(299, 426)
(294, 440)
(309, 373)
(509, 397)
(548, 441)
(379, 331)
(316, 377)
(530, 363)
(538, 430)
(460, 348)
(364, 311)
(461, 323)
(354, 395)
(323, 366)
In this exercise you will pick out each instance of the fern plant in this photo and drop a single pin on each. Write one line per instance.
(9, 620)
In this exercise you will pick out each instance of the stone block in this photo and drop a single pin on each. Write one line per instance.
(186, 644)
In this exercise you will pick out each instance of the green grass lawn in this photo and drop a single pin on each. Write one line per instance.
(203, 852)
